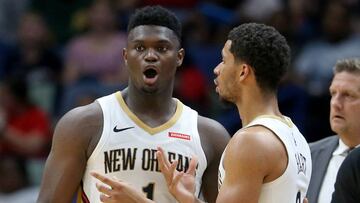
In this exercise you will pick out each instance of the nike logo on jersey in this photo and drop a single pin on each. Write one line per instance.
(121, 129)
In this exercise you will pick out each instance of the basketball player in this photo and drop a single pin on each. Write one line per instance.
(268, 160)
(117, 135)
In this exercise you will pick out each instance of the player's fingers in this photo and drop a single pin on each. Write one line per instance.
(162, 156)
(103, 179)
(103, 189)
(177, 178)
(192, 166)
(161, 161)
(306, 200)
(105, 198)
(172, 171)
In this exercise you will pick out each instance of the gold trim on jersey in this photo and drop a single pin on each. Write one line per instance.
(144, 126)
(81, 195)
(78, 196)
(283, 119)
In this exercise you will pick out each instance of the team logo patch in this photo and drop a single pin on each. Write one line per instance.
(179, 135)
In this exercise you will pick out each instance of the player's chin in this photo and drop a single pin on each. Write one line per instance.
(150, 89)
(337, 126)
(225, 101)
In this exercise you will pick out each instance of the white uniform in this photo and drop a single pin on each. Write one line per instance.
(127, 147)
(292, 185)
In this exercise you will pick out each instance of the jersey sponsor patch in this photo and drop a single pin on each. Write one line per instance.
(179, 135)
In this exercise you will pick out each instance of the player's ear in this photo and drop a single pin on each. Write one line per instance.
(244, 71)
(180, 56)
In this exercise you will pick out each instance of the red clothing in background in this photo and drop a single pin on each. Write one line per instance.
(32, 122)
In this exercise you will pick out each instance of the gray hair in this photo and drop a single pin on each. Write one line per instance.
(351, 65)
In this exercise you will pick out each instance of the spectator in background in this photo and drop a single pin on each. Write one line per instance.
(13, 175)
(97, 53)
(124, 9)
(34, 59)
(93, 63)
(10, 17)
(61, 15)
(328, 153)
(15, 186)
(25, 130)
(14, 181)
(259, 10)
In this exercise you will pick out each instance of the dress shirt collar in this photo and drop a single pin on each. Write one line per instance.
(342, 149)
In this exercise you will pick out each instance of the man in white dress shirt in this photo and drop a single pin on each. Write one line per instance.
(328, 153)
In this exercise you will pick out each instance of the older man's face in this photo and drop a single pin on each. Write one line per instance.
(345, 104)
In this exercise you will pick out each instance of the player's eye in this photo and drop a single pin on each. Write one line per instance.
(139, 48)
(162, 49)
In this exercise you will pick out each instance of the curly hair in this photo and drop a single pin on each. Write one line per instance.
(155, 15)
(264, 49)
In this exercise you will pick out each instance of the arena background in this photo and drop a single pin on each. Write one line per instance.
(47, 60)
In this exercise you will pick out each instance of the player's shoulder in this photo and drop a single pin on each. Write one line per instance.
(254, 147)
(256, 139)
(80, 120)
(211, 128)
(87, 113)
(213, 136)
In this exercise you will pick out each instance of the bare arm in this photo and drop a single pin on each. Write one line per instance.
(253, 157)
(69, 152)
(247, 169)
(214, 139)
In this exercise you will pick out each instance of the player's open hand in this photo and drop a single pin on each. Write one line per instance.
(181, 184)
(115, 191)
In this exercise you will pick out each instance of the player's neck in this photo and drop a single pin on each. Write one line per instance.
(141, 103)
(252, 106)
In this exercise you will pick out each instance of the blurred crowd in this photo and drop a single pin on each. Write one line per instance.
(56, 55)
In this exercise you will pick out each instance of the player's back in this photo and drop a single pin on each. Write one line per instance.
(292, 185)
(127, 149)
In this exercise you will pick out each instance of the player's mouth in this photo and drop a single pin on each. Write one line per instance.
(338, 117)
(150, 75)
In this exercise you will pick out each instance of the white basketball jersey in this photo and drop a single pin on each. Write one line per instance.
(292, 185)
(127, 148)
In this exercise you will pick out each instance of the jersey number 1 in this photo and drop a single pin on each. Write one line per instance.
(149, 190)
(298, 197)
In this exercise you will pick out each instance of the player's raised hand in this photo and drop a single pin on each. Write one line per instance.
(115, 191)
(181, 184)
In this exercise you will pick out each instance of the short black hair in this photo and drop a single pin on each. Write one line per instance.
(264, 49)
(155, 15)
